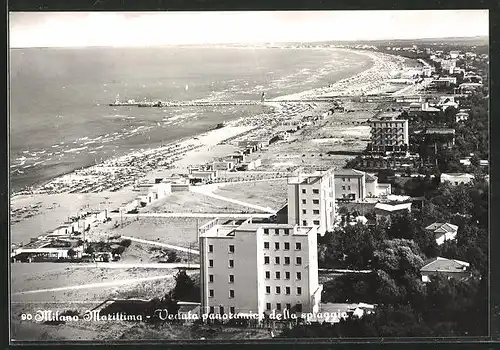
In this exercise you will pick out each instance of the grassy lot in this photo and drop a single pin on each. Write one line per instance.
(34, 276)
(131, 331)
(271, 194)
(175, 231)
(194, 203)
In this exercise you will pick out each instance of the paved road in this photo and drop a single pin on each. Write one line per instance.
(164, 245)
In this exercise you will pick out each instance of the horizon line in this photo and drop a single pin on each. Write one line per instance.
(257, 43)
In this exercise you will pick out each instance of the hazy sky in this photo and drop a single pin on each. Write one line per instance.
(61, 29)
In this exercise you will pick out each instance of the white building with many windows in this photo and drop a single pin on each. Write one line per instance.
(311, 200)
(250, 268)
(389, 134)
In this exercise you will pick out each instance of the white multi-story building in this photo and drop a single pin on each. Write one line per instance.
(389, 133)
(311, 200)
(250, 268)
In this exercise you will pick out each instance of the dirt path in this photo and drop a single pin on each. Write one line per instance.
(96, 285)
(169, 246)
(208, 192)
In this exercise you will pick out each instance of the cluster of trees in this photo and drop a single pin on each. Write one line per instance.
(186, 289)
(395, 251)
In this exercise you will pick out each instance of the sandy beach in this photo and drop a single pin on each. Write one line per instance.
(109, 184)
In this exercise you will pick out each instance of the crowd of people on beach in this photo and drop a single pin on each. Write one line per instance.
(114, 174)
(117, 173)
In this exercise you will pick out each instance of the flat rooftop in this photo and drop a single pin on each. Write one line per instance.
(228, 231)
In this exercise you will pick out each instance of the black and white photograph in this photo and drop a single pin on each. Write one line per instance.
(248, 175)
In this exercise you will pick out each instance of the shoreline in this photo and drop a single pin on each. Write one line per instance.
(273, 109)
(202, 142)
(274, 104)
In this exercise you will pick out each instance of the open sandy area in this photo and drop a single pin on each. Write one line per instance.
(55, 209)
(175, 231)
(271, 194)
(190, 202)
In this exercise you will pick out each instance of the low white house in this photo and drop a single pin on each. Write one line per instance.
(457, 178)
(385, 209)
(443, 231)
(461, 116)
(450, 268)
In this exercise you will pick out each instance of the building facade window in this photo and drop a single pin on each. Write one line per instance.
(287, 245)
(231, 310)
(298, 246)
(212, 310)
(276, 231)
(231, 278)
(299, 276)
(231, 248)
(315, 211)
(268, 275)
(288, 306)
(277, 275)
(304, 223)
(287, 290)
(277, 260)
(287, 260)
(276, 245)
(303, 191)
(268, 289)
(210, 263)
(315, 191)
(304, 201)
(278, 290)
(287, 275)
(266, 231)
(231, 293)
(304, 211)
(278, 306)
(298, 260)
(231, 263)
(211, 278)
(266, 260)
(286, 231)
(299, 290)
(210, 248)
(316, 222)
(268, 306)
(315, 201)
(266, 245)
(211, 293)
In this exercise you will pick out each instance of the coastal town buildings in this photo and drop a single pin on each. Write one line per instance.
(311, 200)
(389, 134)
(249, 267)
(355, 185)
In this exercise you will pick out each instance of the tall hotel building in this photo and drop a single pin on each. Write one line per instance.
(311, 200)
(255, 268)
(389, 134)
